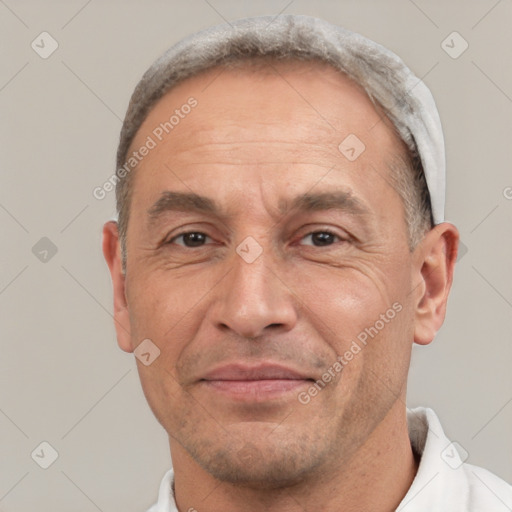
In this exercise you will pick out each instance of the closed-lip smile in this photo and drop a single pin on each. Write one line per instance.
(254, 383)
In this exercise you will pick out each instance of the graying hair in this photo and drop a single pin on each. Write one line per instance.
(290, 38)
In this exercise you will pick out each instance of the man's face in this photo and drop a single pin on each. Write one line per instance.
(256, 306)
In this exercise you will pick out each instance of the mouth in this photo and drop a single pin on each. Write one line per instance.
(255, 383)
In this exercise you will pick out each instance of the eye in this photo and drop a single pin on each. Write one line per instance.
(322, 238)
(190, 239)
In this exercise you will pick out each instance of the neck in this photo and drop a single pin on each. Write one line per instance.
(376, 478)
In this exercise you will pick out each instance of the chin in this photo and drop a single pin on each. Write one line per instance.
(263, 473)
(260, 465)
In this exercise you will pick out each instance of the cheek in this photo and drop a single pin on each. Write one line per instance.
(173, 408)
(363, 315)
(164, 314)
(168, 310)
(163, 305)
(168, 316)
(344, 302)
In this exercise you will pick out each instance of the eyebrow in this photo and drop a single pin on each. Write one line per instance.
(309, 202)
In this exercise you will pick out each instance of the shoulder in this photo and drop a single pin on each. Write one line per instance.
(486, 491)
(445, 481)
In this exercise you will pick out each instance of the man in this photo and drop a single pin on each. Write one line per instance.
(280, 245)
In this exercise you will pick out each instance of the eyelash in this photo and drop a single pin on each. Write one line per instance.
(327, 231)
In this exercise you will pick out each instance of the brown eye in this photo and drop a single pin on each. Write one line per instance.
(190, 239)
(322, 238)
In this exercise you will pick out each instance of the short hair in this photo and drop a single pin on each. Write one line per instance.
(295, 38)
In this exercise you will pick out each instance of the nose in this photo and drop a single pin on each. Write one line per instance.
(254, 297)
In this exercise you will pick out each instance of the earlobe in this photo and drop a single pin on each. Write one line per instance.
(112, 254)
(435, 261)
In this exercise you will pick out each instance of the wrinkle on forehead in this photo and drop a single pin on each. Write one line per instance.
(310, 96)
(288, 123)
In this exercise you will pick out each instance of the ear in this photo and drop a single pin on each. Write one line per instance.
(435, 258)
(112, 253)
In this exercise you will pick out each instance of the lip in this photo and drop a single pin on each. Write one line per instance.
(264, 371)
(254, 383)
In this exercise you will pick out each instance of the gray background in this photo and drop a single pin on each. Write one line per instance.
(62, 377)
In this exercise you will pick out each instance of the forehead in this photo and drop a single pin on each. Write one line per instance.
(267, 122)
(313, 96)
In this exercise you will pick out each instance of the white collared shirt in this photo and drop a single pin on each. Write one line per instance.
(443, 483)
